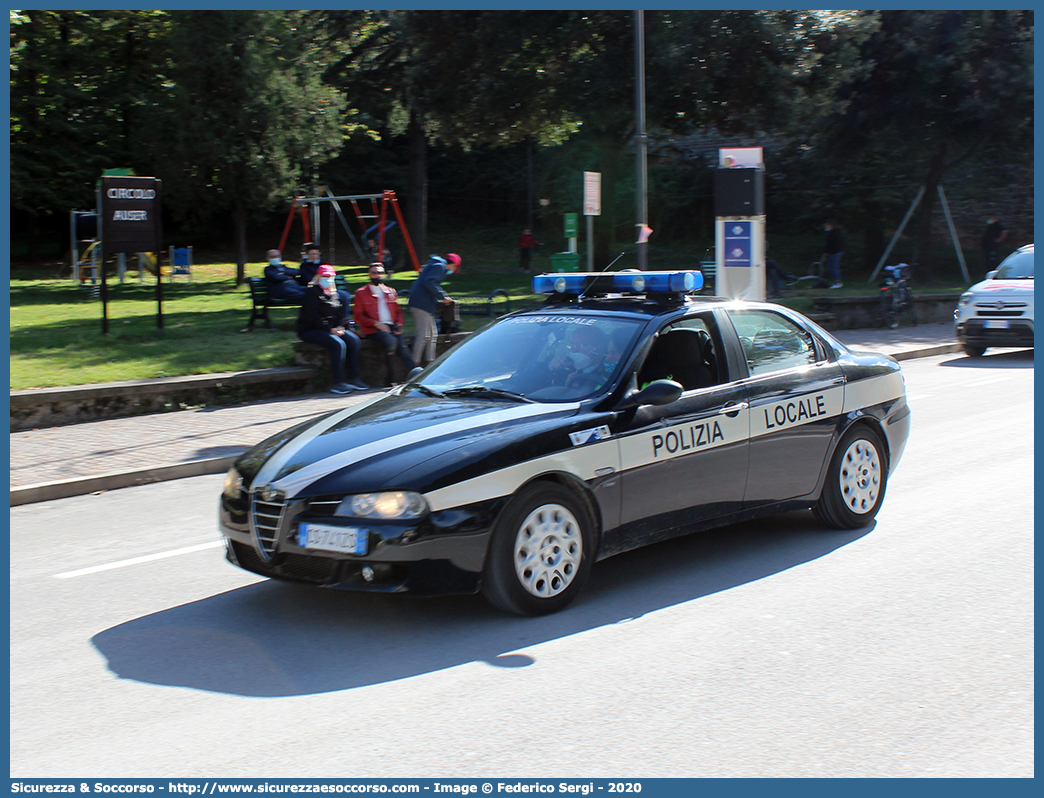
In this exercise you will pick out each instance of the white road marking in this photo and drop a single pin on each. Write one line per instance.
(138, 560)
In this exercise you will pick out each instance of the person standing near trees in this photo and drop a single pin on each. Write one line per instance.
(992, 237)
(833, 248)
(525, 245)
(426, 295)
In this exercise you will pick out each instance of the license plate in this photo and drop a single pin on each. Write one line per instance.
(342, 539)
(996, 324)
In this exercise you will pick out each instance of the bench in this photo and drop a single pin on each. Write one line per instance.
(708, 269)
(260, 301)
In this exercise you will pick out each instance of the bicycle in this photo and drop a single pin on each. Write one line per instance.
(896, 299)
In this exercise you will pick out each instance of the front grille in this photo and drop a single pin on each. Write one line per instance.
(265, 521)
(999, 314)
(247, 557)
(317, 570)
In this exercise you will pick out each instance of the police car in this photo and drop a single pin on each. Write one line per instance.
(623, 411)
(999, 310)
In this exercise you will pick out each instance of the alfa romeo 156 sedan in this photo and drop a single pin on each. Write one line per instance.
(624, 410)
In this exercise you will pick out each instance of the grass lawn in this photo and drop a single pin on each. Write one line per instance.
(56, 337)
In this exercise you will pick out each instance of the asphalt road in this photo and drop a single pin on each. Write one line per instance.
(767, 649)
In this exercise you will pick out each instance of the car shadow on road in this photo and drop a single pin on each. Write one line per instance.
(1001, 359)
(273, 639)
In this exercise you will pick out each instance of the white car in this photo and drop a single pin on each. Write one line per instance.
(999, 310)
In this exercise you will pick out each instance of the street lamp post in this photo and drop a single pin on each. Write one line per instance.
(641, 139)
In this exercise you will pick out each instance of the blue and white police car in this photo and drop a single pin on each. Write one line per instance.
(623, 411)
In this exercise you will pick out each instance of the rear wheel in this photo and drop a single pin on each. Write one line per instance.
(855, 484)
(541, 551)
(911, 307)
(974, 350)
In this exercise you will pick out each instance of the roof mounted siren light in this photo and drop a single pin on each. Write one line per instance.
(629, 283)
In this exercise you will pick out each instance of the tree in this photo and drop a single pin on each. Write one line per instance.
(80, 85)
(248, 118)
(940, 88)
(456, 78)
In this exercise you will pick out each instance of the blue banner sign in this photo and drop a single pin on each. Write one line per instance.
(738, 244)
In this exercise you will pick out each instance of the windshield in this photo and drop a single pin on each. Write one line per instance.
(542, 358)
(1017, 266)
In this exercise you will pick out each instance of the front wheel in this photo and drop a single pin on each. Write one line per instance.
(541, 551)
(974, 350)
(855, 483)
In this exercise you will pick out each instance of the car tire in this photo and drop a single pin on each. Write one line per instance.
(856, 481)
(541, 551)
(973, 350)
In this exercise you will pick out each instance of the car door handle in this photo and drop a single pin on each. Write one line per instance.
(731, 410)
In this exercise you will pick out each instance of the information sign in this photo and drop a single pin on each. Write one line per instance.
(592, 193)
(571, 224)
(130, 215)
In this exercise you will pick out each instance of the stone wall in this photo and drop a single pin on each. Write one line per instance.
(862, 312)
(50, 407)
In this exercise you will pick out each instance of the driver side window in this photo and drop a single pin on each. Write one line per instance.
(685, 353)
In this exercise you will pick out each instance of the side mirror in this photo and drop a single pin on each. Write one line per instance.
(991, 275)
(658, 392)
(413, 373)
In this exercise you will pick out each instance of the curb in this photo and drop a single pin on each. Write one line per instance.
(928, 351)
(62, 489)
(46, 491)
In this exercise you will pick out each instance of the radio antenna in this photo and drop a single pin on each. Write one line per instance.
(614, 260)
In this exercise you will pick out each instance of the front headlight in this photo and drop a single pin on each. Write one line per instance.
(964, 300)
(233, 484)
(389, 504)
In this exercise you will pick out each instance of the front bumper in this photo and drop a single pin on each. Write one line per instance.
(974, 331)
(443, 553)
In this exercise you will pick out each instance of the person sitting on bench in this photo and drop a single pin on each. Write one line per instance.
(378, 316)
(281, 279)
(321, 321)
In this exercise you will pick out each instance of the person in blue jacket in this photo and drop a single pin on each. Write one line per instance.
(426, 295)
(281, 279)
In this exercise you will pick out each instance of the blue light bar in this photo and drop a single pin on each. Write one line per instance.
(633, 282)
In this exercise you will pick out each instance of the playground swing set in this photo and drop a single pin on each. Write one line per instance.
(372, 215)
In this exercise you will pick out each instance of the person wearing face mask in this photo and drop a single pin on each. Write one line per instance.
(309, 264)
(321, 321)
(992, 238)
(426, 295)
(281, 279)
(378, 315)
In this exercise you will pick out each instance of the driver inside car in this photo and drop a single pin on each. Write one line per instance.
(584, 358)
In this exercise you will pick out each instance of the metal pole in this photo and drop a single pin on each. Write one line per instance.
(953, 235)
(75, 247)
(899, 232)
(529, 183)
(159, 287)
(641, 139)
(590, 243)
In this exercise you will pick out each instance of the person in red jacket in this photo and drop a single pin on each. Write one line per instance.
(378, 315)
(525, 245)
